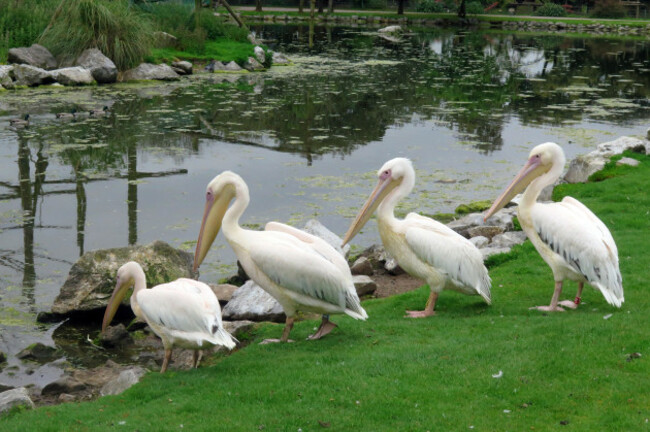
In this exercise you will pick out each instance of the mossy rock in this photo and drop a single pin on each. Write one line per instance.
(444, 217)
(91, 279)
(473, 207)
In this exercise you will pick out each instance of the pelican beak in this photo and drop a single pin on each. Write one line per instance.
(215, 208)
(121, 288)
(533, 169)
(383, 188)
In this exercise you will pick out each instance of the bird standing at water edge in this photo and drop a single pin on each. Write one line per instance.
(301, 271)
(423, 247)
(184, 313)
(569, 237)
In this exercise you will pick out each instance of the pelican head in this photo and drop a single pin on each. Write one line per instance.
(396, 172)
(542, 160)
(220, 191)
(125, 280)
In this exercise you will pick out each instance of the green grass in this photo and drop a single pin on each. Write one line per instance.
(223, 50)
(564, 371)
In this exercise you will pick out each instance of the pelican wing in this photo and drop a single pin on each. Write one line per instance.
(583, 241)
(183, 305)
(296, 266)
(449, 252)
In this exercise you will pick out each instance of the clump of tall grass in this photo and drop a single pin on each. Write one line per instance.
(21, 25)
(116, 29)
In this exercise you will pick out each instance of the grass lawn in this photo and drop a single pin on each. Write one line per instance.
(224, 50)
(565, 371)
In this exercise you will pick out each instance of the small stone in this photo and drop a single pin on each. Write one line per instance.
(364, 285)
(115, 336)
(251, 302)
(232, 67)
(223, 292)
(64, 397)
(508, 239)
(253, 65)
(628, 161)
(479, 241)
(362, 266)
(260, 55)
(485, 231)
(126, 379)
(184, 66)
(39, 353)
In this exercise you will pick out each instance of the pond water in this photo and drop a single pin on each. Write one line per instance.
(466, 107)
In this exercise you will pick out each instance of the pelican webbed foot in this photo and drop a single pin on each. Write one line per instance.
(556, 308)
(270, 341)
(419, 314)
(571, 304)
(326, 326)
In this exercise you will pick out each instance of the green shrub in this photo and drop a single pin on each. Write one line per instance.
(551, 10)
(474, 8)
(608, 9)
(430, 6)
(117, 30)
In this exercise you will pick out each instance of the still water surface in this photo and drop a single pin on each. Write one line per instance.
(465, 107)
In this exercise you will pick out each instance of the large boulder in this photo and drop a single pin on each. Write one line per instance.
(182, 67)
(260, 55)
(232, 67)
(393, 29)
(31, 76)
(148, 71)
(319, 230)
(14, 398)
(5, 76)
(92, 278)
(73, 76)
(251, 302)
(253, 65)
(585, 165)
(101, 67)
(36, 55)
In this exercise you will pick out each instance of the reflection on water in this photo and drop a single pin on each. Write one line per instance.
(466, 107)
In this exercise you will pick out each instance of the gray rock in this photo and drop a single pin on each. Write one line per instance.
(64, 398)
(224, 292)
(5, 76)
(39, 353)
(251, 302)
(480, 241)
(391, 29)
(508, 239)
(362, 266)
(31, 76)
(184, 66)
(260, 55)
(36, 55)
(280, 59)
(214, 65)
(148, 71)
(115, 336)
(585, 165)
(91, 279)
(101, 67)
(364, 285)
(18, 397)
(253, 65)
(232, 67)
(65, 384)
(319, 230)
(73, 76)
(485, 231)
(628, 161)
(125, 379)
(489, 251)
(236, 328)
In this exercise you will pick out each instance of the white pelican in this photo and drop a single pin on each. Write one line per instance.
(301, 271)
(183, 313)
(568, 236)
(423, 247)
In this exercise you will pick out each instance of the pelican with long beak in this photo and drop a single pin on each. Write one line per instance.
(184, 313)
(569, 237)
(302, 272)
(423, 247)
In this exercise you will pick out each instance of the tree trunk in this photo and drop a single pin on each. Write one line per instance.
(461, 10)
(400, 7)
(300, 5)
(232, 13)
(330, 6)
(312, 6)
(321, 4)
(197, 13)
(258, 5)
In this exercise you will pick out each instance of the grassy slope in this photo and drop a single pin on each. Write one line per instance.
(392, 373)
(223, 50)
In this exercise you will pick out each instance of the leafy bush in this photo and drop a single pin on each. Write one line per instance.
(551, 10)
(116, 29)
(431, 6)
(474, 8)
(608, 9)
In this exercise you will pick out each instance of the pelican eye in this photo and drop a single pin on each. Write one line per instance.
(384, 175)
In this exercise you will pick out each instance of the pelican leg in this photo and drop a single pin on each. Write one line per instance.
(553, 307)
(428, 309)
(168, 355)
(573, 304)
(326, 326)
(285, 333)
(198, 354)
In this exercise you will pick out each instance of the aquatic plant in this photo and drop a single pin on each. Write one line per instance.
(117, 30)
